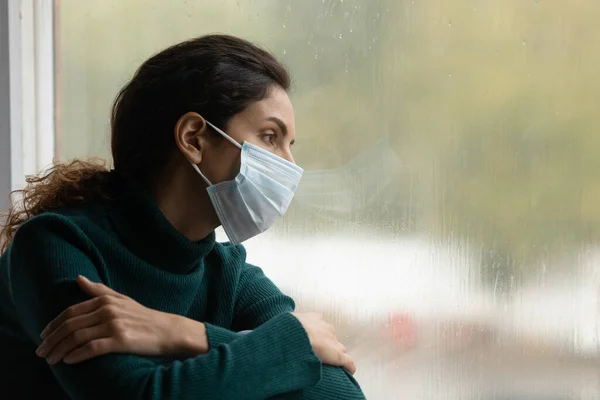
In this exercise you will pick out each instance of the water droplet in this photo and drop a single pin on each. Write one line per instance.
(449, 75)
(284, 51)
(316, 56)
(340, 35)
(450, 23)
(524, 43)
(284, 25)
(351, 30)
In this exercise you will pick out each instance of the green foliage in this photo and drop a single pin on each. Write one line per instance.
(492, 106)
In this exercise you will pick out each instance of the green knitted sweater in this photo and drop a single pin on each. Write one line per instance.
(131, 247)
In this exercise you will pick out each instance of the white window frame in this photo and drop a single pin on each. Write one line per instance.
(29, 48)
(5, 138)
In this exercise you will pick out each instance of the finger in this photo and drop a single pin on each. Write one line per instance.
(77, 339)
(92, 349)
(342, 350)
(343, 358)
(67, 328)
(76, 310)
(345, 361)
(331, 329)
(94, 289)
(351, 367)
(337, 356)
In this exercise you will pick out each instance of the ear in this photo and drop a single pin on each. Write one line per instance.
(190, 131)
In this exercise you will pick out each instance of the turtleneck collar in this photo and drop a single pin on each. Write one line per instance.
(147, 232)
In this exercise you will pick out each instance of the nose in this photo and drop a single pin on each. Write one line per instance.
(285, 152)
(287, 155)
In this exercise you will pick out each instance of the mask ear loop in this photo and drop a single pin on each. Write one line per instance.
(226, 136)
(201, 174)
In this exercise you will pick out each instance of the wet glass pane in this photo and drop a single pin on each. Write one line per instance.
(449, 218)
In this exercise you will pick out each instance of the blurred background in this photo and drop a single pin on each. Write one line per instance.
(449, 218)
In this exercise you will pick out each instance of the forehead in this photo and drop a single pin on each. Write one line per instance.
(277, 104)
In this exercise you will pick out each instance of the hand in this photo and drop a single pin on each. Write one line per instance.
(324, 342)
(113, 323)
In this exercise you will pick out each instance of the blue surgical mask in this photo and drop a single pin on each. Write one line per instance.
(258, 196)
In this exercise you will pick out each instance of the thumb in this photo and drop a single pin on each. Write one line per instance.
(93, 289)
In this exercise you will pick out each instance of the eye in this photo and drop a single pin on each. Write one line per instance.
(268, 138)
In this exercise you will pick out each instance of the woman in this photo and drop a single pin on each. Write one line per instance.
(113, 286)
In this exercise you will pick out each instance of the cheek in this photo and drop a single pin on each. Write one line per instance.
(222, 165)
(232, 168)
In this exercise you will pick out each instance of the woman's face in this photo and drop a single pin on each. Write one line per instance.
(268, 123)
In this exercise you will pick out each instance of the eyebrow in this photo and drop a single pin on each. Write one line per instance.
(282, 127)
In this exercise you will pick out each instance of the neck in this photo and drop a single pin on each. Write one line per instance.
(186, 205)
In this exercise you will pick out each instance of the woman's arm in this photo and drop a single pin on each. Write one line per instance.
(47, 255)
(258, 301)
(153, 333)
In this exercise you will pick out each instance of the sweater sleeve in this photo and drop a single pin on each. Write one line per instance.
(45, 258)
(335, 382)
(259, 301)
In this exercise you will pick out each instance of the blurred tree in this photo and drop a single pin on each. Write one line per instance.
(501, 98)
(490, 105)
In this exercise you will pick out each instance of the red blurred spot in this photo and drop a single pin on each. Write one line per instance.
(402, 329)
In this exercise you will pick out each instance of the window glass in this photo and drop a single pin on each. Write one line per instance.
(449, 218)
